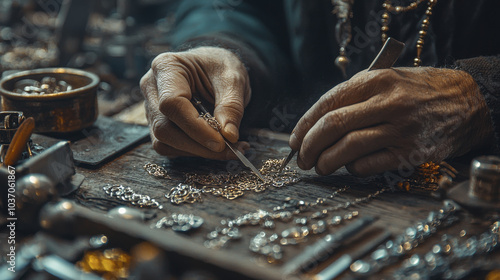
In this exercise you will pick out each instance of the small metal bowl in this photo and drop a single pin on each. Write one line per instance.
(66, 111)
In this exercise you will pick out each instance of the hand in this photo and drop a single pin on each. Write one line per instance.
(215, 74)
(383, 119)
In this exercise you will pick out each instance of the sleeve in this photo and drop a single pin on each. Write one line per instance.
(486, 72)
(254, 30)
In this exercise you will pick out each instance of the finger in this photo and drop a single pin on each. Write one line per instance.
(167, 137)
(232, 93)
(333, 126)
(354, 145)
(375, 163)
(355, 90)
(173, 81)
(166, 150)
(169, 133)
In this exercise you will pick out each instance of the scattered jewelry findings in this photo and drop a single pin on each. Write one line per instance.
(426, 177)
(47, 85)
(156, 171)
(128, 195)
(325, 247)
(179, 222)
(229, 186)
(402, 245)
(439, 262)
(269, 245)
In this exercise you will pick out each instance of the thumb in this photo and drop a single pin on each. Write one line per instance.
(231, 96)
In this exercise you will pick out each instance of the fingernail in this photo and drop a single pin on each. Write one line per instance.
(294, 142)
(232, 131)
(215, 146)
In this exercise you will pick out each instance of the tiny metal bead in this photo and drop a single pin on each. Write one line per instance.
(384, 28)
(422, 32)
(385, 15)
(399, 9)
(417, 61)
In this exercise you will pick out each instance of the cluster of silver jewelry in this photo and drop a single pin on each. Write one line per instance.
(270, 246)
(393, 250)
(156, 171)
(228, 186)
(179, 222)
(127, 194)
(445, 259)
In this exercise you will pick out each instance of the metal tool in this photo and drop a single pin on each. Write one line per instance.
(19, 142)
(288, 159)
(325, 247)
(342, 263)
(388, 55)
(56, 163)
(482, 192)
(10, 121)
(385, 59)
(240, 156)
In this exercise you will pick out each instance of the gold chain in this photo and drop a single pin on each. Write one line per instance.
(389, 8)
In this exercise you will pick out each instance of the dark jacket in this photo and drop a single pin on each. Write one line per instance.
(289, 46)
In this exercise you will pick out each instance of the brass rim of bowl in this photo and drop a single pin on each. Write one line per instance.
(94, 80)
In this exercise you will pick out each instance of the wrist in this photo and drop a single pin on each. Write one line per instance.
(482, 133)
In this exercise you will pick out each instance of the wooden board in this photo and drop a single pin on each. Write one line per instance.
(395, 210)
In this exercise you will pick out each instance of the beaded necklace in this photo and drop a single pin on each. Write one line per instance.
(343, 10)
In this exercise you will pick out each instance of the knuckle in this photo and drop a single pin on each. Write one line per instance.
(232, 106)
(163, 60)
(157, 126)
(170, 105)
(235, 77)
(337, 119)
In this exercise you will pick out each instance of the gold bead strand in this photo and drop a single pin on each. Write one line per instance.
(425, 25)
(389, 8)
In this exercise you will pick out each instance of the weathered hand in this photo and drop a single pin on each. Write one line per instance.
(381, 119)
(215, 74)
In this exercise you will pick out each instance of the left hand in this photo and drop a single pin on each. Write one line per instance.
(382, 119)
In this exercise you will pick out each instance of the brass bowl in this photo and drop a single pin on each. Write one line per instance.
(66, 111)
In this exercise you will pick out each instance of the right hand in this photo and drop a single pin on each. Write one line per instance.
(215, 74)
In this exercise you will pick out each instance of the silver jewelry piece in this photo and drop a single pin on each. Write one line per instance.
(127, 194)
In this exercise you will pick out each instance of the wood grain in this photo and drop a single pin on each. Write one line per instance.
(395, 210)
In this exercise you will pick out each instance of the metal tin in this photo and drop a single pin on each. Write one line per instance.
(485, 178)
(67, 111)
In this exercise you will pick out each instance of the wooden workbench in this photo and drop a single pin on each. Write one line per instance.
(396, 210)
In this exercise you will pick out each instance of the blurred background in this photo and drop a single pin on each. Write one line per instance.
(115, 39)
